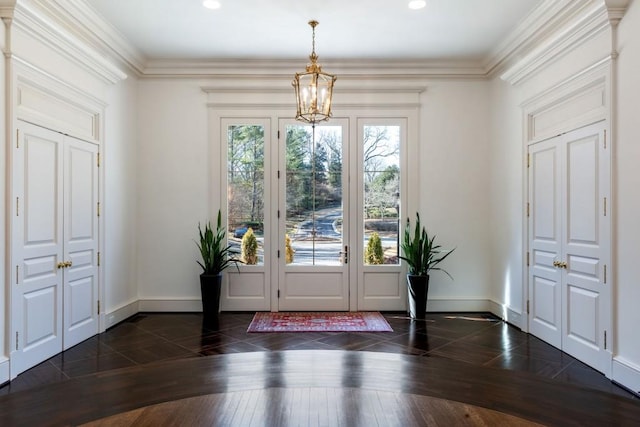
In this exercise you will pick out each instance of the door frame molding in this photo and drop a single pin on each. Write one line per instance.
(35, 96)
(237, 99)
(583, 99)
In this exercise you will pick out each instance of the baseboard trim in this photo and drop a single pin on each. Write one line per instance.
(5, 371)
(458, 305)
(121, 313)
(176, 305)
(626, 373)
(508, 314)
(433, 305)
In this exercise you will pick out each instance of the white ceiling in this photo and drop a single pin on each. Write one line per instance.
(446, 30)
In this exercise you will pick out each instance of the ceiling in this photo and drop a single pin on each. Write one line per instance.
(445, 30)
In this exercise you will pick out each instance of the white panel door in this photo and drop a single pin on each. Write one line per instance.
(55, 242)
(313, 206)
(37, 247)
(545, 295)
(80, 241)
(585, 244)
(569, 235)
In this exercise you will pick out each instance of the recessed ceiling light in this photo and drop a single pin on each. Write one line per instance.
(417, 4)
(211, 4)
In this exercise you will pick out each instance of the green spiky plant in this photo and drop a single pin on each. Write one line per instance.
(215, 255)
(420, 251)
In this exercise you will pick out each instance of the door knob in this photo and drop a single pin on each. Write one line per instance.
(560, 264)
(68, 263)
(61, 265)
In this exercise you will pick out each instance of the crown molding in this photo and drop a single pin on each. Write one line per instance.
(265, 68)
(550, 29)
(579, 22)
(52, 30)
(89, 25)
(525, 34)
(287, 90)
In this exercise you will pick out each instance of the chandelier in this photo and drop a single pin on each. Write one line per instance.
(314, 88)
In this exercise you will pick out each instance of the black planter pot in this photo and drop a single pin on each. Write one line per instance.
(210, 285)
(418, 290)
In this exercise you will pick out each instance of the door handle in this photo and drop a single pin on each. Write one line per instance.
(560, 264)
(61, 265)
(68, 263)
(345, 254)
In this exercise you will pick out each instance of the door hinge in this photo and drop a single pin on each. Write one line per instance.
(98, 159)
(98, 306)
(278, 134)
(98, 259)
(17, 280)
(16, 340)
(278, 293)
(278, 253)
(528, 159)
(278, 174)
(17, 138)
(527, 259)
(278, 213)
(527, 307)
(605, 274)
(98, 208)
(605, 139)
(605, 339)
(528, 207)
(605, 206)
(17, 206)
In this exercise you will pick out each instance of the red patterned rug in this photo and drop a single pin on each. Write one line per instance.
(319, 322)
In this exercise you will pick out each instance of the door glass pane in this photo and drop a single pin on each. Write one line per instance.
(314, 195)
(381, 159)
(245, 191)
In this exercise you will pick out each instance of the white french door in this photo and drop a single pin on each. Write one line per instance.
(55, 244)
(569, 235)
(315, 216)
(313, 220)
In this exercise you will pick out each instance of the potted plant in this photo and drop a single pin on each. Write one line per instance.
(422, 255)
(216, 257)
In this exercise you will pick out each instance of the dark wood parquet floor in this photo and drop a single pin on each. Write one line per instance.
(150, 345)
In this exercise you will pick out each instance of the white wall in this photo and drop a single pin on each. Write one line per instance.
(507, 197)
(173, 187)
(627, 203)
(175, 179)
(506, 200)
(94, 83)
(120, 157)
(454, 185)
(508, 174)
